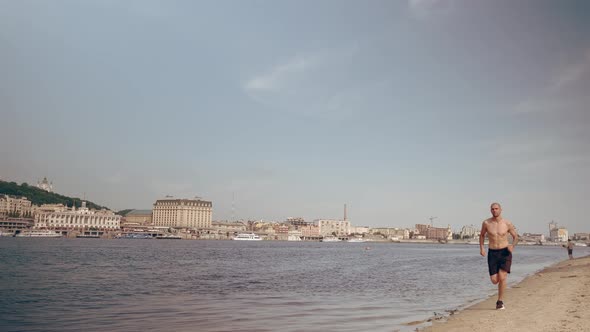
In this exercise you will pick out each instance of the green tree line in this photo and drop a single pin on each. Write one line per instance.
(39, 196)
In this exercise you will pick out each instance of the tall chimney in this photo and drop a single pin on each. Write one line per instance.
(344, 212)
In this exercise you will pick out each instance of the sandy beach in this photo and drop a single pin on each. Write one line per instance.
(555, 299)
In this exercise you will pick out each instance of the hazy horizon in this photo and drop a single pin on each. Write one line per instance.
(402, 110)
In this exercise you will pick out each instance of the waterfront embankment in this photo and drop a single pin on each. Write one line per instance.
(554, 299)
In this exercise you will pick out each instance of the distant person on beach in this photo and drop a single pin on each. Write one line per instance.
(570, 248)
(499, 251)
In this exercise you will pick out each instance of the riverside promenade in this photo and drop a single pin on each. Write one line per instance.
(554, 299)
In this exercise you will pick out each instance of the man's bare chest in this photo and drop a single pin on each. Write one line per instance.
(497, 229)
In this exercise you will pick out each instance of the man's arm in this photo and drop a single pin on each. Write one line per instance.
(512, 232)
(482, 237)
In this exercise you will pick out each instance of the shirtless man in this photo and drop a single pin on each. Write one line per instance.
(499, 252)
(570, 248)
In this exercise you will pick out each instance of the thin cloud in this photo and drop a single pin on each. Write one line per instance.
(572, 73)
(537, 153)
(280, 75)
(553, 97)
(542, 105)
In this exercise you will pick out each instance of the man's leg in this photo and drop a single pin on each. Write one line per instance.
(494, 279)
(501, 283)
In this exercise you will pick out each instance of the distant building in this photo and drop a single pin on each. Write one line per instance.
(359, 229)
(470, 231)
(531, 237)
(231, 227)
(296, 221)
(330, 226)
(294, 235)
(139, 217)
(51, 208)
(182, 213)
(80, 219)
(581, 236)
(310, 231)
(434, 233)
(422, 228)
(15, 207)
(281, 228)
(10, 225)
(45, 185)
(392, 232)
(439, 233)
(557, 233)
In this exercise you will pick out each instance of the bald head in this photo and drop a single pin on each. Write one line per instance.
(496, 209)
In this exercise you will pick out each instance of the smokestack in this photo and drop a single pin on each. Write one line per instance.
(344, 212)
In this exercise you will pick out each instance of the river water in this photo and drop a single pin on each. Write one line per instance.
(164, 285)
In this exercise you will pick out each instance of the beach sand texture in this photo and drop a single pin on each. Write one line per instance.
(555, 299)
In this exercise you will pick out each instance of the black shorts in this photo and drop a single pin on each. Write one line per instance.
(499, 259)
(570, 251)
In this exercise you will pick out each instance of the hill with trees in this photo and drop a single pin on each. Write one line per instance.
(39, 196)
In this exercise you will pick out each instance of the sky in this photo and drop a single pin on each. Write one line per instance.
(403, 110)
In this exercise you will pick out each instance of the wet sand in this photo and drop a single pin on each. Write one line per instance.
(555, 299)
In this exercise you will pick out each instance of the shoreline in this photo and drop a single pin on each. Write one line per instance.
(556, 298)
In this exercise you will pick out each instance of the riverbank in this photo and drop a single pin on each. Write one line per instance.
(554, 299)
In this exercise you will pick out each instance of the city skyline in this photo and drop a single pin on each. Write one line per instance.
(401, 110)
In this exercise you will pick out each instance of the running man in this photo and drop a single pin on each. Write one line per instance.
(570, 248)
(499, 252)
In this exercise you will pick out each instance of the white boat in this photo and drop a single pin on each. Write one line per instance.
(356, 240)
(169, 237)
(247, 237)
(38, 233)
(331, 239)
(88, 236)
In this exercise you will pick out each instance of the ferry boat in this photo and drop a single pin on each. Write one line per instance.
(38, 233)
(356, 240)
(88, 236)
(247, 237)
(169, 237)
(330, 239)
(135, 236)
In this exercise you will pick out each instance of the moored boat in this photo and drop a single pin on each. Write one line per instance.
(135, 236)
(37, 233)
(88, 236)
(247, 237)
(330, 239)
(169, 237)
(356, 240)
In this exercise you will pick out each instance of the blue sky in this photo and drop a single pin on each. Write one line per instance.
(403, 110)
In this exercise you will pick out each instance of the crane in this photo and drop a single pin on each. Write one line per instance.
(432, 221)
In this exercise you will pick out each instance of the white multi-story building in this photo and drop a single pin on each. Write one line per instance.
(13, 205)
(392, 232)
(182, 213)
(470, 231)
(330, 226)
(559, 234)
(80, 219)
(359, 229)
(533, 237)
